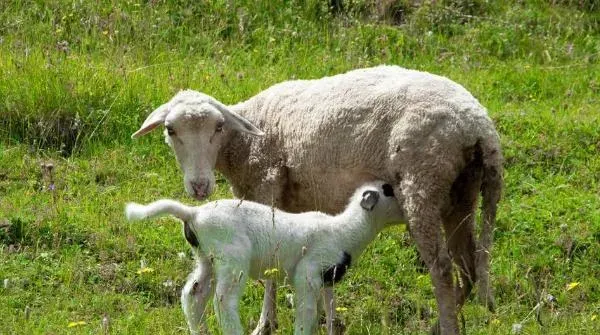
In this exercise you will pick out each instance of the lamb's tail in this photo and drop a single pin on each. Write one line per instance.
(491, 190)
(135, 211)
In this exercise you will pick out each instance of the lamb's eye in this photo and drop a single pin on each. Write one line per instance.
(170, 131)
(219, 127)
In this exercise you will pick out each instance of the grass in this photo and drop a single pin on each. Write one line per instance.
(77, 78)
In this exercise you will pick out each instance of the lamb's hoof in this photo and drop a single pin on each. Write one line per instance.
(263, 328)
(339, 328)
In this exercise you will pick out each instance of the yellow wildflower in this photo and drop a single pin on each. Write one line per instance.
(144, 270)
(76, 324)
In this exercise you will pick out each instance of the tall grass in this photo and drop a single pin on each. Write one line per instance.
(81, 71)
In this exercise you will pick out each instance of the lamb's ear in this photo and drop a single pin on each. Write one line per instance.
(155, 119)
(369, 200)
(236, 121)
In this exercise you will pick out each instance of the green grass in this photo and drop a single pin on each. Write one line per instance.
(68, 255)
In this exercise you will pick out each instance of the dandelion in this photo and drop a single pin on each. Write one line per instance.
(271, 272)
(341, 309)
(594, 317)
(145, 270)
(572, 285)
(76, 324)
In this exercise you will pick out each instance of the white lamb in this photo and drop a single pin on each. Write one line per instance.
(320, 139)
(234, 240)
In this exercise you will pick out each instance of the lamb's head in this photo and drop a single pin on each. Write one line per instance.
(196, 125)
(379, 203)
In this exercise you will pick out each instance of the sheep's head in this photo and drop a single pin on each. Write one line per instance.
(379, 201)
(195, 127)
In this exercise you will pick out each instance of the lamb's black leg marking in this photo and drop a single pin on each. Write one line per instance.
(189, 235)
(335, 273)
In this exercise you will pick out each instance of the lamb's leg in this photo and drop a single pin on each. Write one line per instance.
(195, 295)
(267, 322)
(230, 281)
(307, 283)
(334, 325)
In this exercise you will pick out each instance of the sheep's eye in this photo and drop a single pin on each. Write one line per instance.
(170, 131)
(219, 127)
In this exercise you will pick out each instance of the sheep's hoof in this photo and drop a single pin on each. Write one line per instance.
(435, 329)
(490, 303)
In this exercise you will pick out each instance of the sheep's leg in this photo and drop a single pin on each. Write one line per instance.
(194, 296)
(491, 190)
(461, 242)
(423, 203)
(307, 283)
(459, 227)
(267, 322)
(230, 281)
(428, 237)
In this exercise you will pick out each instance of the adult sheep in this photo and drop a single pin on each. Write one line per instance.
(321, 139)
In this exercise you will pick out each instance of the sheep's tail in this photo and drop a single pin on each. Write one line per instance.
(491, 190)
(135, 211)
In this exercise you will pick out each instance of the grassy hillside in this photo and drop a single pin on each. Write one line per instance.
(78, 77)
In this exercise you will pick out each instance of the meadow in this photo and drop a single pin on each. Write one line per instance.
(77, 78)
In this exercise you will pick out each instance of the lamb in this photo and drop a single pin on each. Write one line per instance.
(234, 240)
(307, 144)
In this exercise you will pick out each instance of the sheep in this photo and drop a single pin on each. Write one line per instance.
(233, 240)
(307, 144)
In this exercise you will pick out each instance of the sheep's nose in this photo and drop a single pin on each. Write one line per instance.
(200, 190)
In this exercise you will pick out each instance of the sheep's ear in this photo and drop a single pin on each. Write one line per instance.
(369, 200)
(155, 119)
(236, 121)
